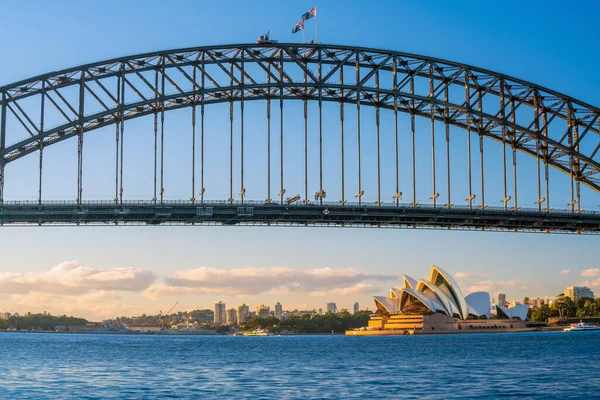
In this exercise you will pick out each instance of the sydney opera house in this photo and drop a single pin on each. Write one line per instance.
(437, 305)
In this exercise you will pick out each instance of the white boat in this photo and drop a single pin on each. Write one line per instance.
(582, 327)
(258, 332)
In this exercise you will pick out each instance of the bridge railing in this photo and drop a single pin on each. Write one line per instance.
(237, 203)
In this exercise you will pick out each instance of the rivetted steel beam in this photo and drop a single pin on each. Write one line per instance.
(281, 75)
(412, 136)
(360, 191)
(79, 143)
(468, 124)
(342, 146)
(556, 151)
(2, 145)
(162, 132)
(202, 190)
(329, 214)
(242, 187)
(41, 161)
(25, 144)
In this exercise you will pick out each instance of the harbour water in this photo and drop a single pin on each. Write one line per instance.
(520, 365)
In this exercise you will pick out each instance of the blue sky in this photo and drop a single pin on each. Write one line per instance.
(553, 45)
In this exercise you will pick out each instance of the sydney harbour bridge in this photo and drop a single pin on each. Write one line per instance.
(296, 134)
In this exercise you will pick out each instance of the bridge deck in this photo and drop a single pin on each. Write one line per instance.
(328, 214)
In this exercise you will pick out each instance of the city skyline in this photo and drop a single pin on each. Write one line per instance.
(101, 272)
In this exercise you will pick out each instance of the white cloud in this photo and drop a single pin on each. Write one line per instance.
(591, 283)
(358, 289)
(253, 281)
(95, 306)
(72, 277)
(524, 287)
(495, 286)
(565, 271)
(591, 272)
(464, 275)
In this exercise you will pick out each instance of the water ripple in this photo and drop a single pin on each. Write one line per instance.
(527, 365)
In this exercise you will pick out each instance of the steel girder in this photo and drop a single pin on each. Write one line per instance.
(328, 214)
(555, 128)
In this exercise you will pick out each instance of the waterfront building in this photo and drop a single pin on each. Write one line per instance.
(331, 308)
(278, 311)
(263, 311)
(231, 317)
(356, 307)
(220, 318)
(575, 292)
(537, 303)
(6, 315)
(438, 304)
(501, 299)
(243, 312)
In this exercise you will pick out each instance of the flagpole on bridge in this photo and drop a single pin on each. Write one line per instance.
(316, 29)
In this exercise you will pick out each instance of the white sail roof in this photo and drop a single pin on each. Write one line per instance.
(441, 297)
(386, 304)
(432, 305)
(479, 304)
(441, 278)
(409, 282)
(441, 293)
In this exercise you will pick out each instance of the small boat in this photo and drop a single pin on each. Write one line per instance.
(258, 332)
(582, 326)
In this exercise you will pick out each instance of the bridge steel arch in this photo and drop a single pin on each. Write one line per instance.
(559, 131)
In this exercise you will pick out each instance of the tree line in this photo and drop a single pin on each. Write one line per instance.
(565, 307)
(306, 323)
(44, 322)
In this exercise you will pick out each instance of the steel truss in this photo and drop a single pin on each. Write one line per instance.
(385, 215)
(557, 130)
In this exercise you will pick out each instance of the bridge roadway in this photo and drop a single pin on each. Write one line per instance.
(329, 214)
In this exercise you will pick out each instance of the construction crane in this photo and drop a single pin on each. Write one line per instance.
(163, 317)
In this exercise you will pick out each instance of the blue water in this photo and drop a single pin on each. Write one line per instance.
(523, 365)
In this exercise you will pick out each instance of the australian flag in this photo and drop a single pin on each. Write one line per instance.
(311, 14)
(299, 26)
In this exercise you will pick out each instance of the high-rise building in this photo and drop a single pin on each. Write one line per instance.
(231, 317)
(220, 318)
(243, 313)
(356, 307)
(263, 311)
(537, 303)
(575, 292)
(331, 308)
(278, 311)
(501, 299)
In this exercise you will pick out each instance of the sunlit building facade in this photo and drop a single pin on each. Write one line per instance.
(231, 317)
(243, 312)
(220, 317)
(331, 308)
(501, 298)
(575, 292)
(263, 311)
